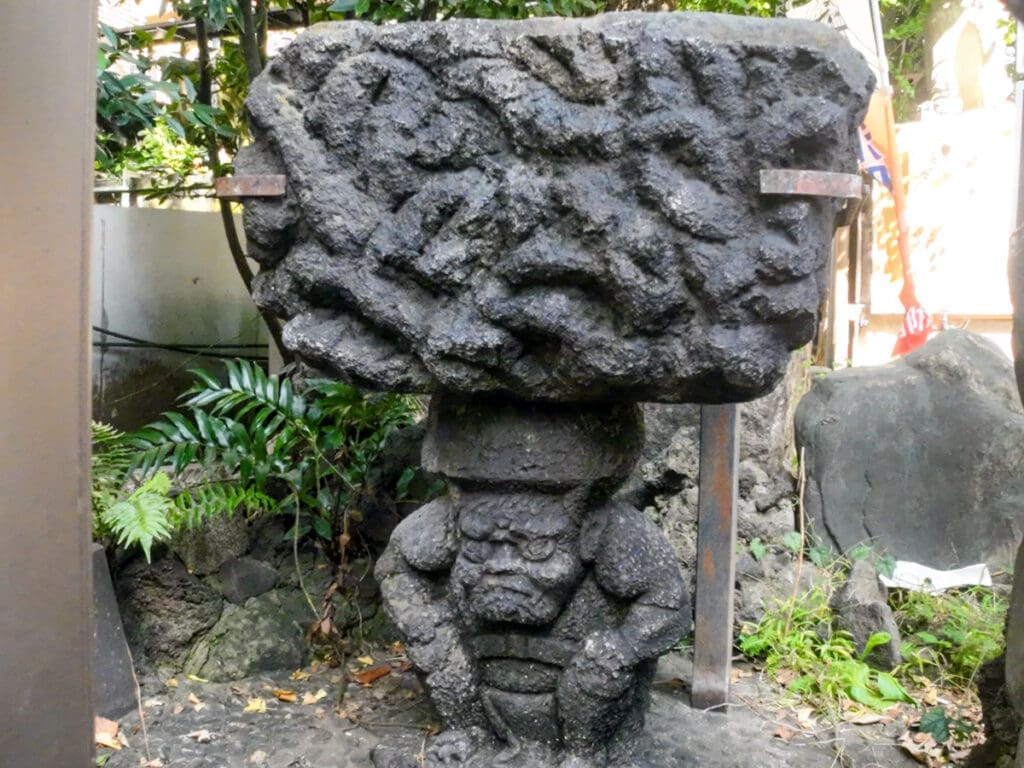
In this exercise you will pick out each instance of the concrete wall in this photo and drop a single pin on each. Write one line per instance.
(164, 276)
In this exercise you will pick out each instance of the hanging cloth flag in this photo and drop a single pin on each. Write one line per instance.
(872, 161)
(860, 21)
(917, 324)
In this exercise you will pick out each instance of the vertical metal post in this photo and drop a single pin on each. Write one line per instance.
(716, 554)
(1018, 98)
(47, 89)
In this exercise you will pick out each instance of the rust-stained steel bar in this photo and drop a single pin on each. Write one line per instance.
(716, 554)
(230, 187)
(786, 181)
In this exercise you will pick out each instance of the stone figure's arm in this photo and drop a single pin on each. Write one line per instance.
(412, 574)
(634, 561)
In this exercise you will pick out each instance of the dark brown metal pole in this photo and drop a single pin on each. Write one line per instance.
(47, 118)
(716, 555)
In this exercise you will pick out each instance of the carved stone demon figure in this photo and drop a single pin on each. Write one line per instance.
(533, 605)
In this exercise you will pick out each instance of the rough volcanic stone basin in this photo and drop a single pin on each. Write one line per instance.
(564, 210)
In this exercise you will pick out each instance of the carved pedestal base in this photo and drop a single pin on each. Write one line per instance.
(533, 605)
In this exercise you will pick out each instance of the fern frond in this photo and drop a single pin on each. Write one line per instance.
(143, 517)
(111, 459)
(194, 505)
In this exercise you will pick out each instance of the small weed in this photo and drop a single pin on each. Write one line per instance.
(949, 636)
(799, 645)
(758, 549)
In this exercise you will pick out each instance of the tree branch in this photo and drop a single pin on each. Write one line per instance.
(204, 95)
(261, 31)
(249, 40)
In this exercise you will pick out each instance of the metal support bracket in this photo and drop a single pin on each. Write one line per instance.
(716, 555)
(234, 187)
(788, 181)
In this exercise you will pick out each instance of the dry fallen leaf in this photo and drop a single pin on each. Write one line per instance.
(257, 757)
(927, 752)
(804, 719)
(313, 698)
(197, 705)
(178, 709)
(366, 661)
(369, 676)
(106, 733)
(256, 705)
(298, 674)
(397, 647)
(156, 762)
(171, 683)
(737, 674)
(785, 677)
(784, 733)
(859, 717)
(203, 736)
(283, 695)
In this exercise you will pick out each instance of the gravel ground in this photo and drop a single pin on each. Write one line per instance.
(196, 724)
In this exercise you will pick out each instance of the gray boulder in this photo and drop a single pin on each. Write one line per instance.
(245, 577)
(762, 583)
(165, 608)
(267, 633)
(861, 608)
(920, 457)
(205, 548)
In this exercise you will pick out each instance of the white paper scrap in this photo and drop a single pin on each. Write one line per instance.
(921, 578)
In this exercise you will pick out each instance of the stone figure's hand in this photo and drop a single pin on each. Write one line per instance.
(452, 747)
(604, 666)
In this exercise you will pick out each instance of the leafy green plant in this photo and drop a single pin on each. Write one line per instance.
(949, 636)
(821, 662)
(131, 518)
(257, 432)
(134, 510)
(758, 549)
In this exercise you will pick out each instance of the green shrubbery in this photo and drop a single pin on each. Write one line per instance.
(946, 639)
(253, 444)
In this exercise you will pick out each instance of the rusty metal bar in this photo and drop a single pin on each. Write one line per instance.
(716, 554)
(48, 54)
(231, 187)
(787, 181)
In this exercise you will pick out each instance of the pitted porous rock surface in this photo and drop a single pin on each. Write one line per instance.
(554, 209)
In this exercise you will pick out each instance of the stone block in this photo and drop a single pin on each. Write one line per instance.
(113, 681)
